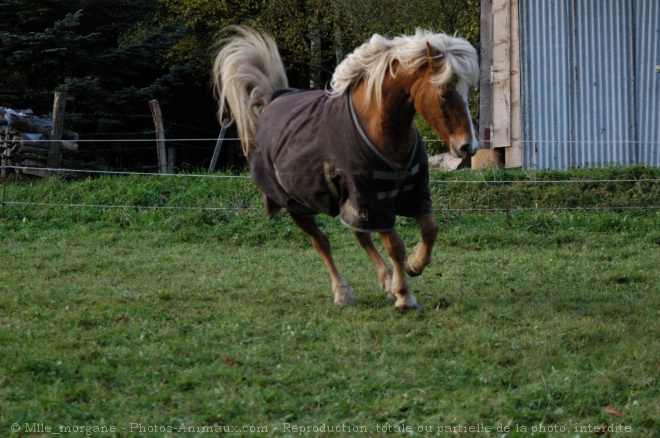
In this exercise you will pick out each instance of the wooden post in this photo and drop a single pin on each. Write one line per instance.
(488, 156)
(218, 145)
(499, 98)
(513, 157)
(171, 158)
(501, 73)
(55, 146)
(160, 135)
(485, 75)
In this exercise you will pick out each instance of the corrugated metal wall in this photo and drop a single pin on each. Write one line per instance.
(647, 54)
(547, 83)
(589, 86)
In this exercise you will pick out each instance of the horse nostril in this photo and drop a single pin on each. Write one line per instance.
(466, 149)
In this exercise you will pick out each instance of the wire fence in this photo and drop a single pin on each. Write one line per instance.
(144, 141)
(221, 176)
(648, 184)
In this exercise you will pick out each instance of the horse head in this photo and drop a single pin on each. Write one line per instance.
(440, 94)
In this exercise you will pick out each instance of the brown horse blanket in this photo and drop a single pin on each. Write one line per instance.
(312, 157)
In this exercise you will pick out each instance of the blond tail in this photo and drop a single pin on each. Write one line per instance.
(247, 70)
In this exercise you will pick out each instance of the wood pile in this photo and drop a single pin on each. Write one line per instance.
(25, 142)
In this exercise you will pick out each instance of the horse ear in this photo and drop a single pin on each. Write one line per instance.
(433, 57)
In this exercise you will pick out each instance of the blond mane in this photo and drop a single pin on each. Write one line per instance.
(371, 61)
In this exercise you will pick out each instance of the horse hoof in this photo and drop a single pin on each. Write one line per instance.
(344, 302)
(414, 264)
(412, 272)
(344, 298)
(408, 303)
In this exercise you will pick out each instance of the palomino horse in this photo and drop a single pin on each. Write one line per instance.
(352, 150)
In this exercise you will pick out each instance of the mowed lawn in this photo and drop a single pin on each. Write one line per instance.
(149, 322)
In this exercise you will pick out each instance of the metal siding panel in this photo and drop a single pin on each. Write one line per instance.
(647, 39)
(590, 92)
(546, 56)
(604, 104)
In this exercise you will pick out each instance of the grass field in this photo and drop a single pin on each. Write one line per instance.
(168, 318)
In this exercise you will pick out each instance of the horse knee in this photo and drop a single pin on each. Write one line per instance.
(429, 228)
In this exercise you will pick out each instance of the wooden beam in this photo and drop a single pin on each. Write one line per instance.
(513, 156)
(501, 73)
(499, 95)
(485, 69)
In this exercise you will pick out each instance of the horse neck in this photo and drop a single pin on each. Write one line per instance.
(390, 126)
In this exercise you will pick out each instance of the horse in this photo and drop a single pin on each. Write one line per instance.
(352, 150)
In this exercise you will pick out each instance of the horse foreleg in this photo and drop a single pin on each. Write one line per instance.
(420, 257)
(383, 271)
(343, 295)
(397, 252)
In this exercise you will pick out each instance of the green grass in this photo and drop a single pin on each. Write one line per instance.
(540, 314)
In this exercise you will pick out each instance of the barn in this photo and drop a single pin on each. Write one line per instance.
(569, 83)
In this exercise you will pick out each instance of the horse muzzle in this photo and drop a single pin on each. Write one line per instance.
(464, 149)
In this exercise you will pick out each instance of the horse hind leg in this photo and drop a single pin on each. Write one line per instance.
(343, 295)
(420, 257)
(383, 271)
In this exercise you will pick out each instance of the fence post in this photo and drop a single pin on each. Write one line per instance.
(160, 135)
(218, 145)
(55, 146)
(171, 158)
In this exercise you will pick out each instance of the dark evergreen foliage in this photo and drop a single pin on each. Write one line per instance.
(112, 56)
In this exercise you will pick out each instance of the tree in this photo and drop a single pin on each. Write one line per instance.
(90, 49)
(71, 46)
(112, 56)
